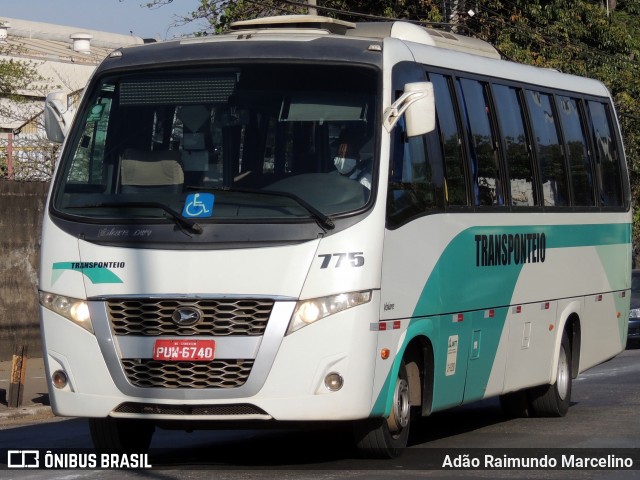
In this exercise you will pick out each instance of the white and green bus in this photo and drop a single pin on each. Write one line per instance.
(309, 220)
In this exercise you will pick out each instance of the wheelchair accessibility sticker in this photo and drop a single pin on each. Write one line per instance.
(198, 205)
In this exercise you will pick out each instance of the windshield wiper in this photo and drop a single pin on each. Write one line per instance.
(321, 219)
(179, 219)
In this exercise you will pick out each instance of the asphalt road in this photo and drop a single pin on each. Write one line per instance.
(602, 423)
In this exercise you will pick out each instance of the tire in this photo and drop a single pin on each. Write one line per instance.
(515, 404)
(554, 400)
(387, 437)
(121, 435)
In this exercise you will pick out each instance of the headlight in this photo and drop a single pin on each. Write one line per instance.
(309, 311)
(70, 308)
(634, 313)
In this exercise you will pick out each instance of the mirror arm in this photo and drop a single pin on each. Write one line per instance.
(57, 117)
(393, 113)
(56, 109)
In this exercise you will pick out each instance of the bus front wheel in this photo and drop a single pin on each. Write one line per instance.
(387, 437)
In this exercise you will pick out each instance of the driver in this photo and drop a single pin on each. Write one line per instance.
(347, 160)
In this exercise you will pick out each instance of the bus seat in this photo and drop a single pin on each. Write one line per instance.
(143, 171)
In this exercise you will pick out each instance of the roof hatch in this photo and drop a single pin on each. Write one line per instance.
(399, 29)
(331, 25)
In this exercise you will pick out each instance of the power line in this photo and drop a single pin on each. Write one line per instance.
(578, 49)
(348, 13)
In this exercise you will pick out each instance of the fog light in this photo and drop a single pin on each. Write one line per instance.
(59, 379)
(333, 381)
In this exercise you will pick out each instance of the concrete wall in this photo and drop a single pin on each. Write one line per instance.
(21, 210)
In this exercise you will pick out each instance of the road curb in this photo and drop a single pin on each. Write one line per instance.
(23, 412)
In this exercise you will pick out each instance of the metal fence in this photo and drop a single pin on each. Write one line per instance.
(28, 158)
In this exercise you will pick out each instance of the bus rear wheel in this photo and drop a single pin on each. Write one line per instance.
(387, 437)
(554, 400)
(121, 434)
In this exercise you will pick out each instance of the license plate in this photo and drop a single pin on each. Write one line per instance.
(180, 350)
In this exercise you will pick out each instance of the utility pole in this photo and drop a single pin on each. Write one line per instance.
(312, 7)
(610, 5)
(454, 15)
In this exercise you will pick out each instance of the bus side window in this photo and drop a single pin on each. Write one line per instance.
(577, 151)
(516, 142)
(450, 141)
(606, 155)
(416, 178)
(485, 166)
(553, 173)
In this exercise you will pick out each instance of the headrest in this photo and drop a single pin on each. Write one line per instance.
(351, 139)
(151, 168)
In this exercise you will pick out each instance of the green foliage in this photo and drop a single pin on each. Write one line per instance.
(221, 13)
(15, 76)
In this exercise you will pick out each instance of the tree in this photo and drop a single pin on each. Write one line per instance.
(35, 154)
(221, 13)
(15, 77)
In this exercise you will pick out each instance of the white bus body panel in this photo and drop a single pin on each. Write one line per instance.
(483, 326)
(293, 387)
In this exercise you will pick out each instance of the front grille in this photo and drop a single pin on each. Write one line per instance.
(148, 373)
(157, 409)
(247, 317)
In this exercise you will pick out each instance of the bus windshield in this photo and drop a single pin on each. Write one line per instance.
(259, 142)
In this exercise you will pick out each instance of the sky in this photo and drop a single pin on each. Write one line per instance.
(114, 16)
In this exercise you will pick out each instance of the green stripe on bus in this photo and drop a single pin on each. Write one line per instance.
(95, 274)
(457, 285)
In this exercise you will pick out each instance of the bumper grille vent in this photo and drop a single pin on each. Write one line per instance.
(220, 317)
(156, 409)
(148, 373)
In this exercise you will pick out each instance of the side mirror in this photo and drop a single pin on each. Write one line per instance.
(57, 117)
(418, 106)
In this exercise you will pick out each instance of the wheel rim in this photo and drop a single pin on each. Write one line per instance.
(562, 382)
(399, 417)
